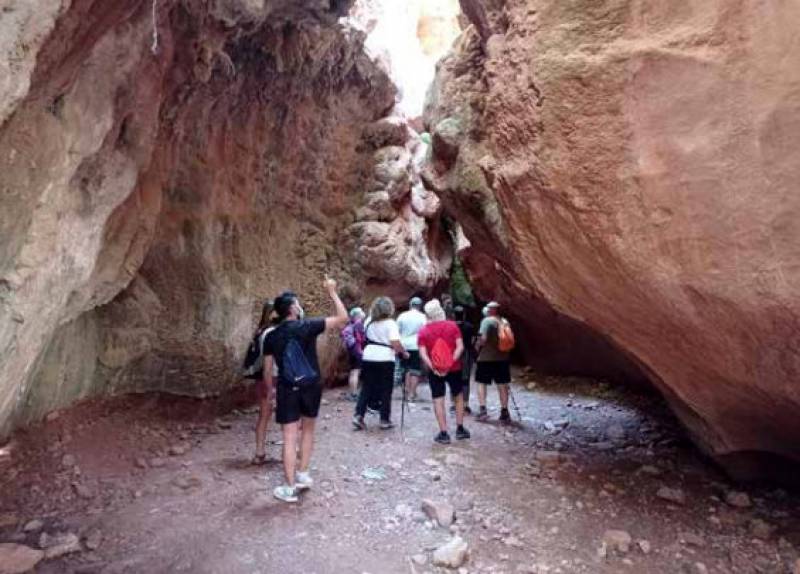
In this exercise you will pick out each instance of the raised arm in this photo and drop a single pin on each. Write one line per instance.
(338, 320)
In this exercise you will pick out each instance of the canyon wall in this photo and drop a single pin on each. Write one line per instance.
(630, 168)
(166, 166)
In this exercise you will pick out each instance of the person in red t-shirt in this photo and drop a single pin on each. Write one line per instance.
(440, 348)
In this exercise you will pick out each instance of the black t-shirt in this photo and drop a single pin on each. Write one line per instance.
(305, 331)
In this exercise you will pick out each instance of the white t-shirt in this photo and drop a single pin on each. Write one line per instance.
(381, 332)
(410, 323)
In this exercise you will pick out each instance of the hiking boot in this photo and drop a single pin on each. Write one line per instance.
(462, 433)
(386, 425)
(505, 417)
(285, 493)
(442, 438)
(467, 410)
(483, 415)
(303, 481)
(452, 409)
(358, 423)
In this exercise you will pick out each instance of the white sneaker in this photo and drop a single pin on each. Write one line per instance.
(285, 493)
(303, 480)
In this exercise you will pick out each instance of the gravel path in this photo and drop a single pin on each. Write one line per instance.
(594, 479)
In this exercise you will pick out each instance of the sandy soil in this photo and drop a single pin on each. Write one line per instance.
(163, 484)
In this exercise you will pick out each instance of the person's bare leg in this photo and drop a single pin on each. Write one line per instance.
(482, 395)
(306, 443)
(438, 409)
(264, 414)
(412, 381)
(459, 400)
(502, 390)
(290, 432)
(354, 375)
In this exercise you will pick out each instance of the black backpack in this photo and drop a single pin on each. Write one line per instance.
(253, 365)
(296, 369)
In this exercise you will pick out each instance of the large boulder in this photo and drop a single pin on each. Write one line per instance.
(627, 175)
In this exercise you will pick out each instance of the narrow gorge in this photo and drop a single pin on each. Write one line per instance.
(620, 175)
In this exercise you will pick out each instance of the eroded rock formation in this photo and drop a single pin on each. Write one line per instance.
(627, 174)
(163, 167)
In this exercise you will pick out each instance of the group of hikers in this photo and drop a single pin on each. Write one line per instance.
(429, 340)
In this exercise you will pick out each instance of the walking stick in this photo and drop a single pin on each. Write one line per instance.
(514, 402)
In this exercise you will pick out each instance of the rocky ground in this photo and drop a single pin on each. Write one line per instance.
(593, 479)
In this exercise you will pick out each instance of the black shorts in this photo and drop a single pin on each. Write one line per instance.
(488, 372)
(296, 402)
(453, 380)
(354, 360)
(412, 364)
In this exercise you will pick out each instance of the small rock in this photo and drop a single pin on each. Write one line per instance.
(513, 541)
(84, 490)
(141, 462)
(94, 539)
(8, 519)
(17, 558)
(187, 482)
(440, 512)
(177, 450)
(616, 432)
(33, 526)
(650, 469)
(68, 461)
(548, 457)
(760, 529)
(419, 559)
(60, 544)
(692, 539)
(157, 462)
(451, 555)
(223, 424)
(700, 568)
(403, 510)
(674, 495)
(618, 540)
(644, 546)
(738, 499)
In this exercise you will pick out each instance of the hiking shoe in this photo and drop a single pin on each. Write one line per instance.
(505, 417)
(386, 425)
(285, 493)
(303, 481)
(462, 433)
(452, 409)
(358, 423)
(442, 438)
(483, 415)
(467, 410)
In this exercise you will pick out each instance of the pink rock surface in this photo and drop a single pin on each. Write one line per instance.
(633, 167)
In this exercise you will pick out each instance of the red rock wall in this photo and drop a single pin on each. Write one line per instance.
(633, 166)
(152, 200)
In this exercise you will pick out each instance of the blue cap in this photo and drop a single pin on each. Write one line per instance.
(415, 302)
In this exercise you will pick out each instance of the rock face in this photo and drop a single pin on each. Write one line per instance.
(161, 177)
(627, 173)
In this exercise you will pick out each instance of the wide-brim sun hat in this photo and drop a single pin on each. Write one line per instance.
(492, 305)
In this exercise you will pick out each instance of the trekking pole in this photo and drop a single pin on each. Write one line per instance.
(514, 402)
(402, 406)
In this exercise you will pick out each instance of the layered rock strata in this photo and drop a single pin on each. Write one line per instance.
(627, 175)
(163, 167)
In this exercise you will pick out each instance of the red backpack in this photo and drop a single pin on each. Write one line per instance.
(441, 356)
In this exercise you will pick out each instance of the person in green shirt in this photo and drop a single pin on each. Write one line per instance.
(493, 364)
